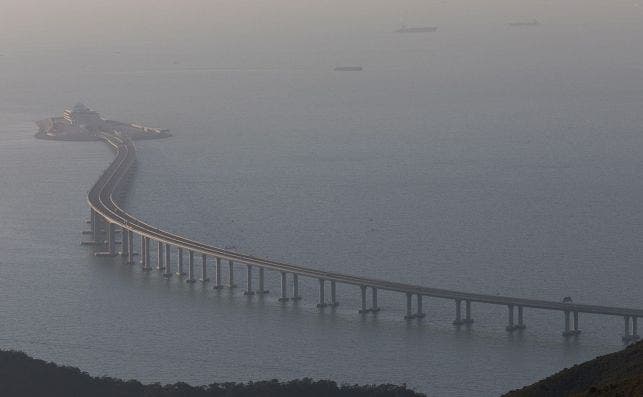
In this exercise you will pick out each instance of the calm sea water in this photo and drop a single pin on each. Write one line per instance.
(493, 160)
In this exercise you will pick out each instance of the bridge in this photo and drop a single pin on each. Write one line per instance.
(108, 221)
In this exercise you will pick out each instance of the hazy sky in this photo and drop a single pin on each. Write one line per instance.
(90, 21)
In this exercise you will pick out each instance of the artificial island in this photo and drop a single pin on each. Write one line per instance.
(81, 123)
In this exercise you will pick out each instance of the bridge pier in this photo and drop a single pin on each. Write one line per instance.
(231, 283)
(510, 320)
(190, 267)
(204, 269)
(511, 327)
(568, 331)
(249, 290)
(458, 313)
(92, 229)
(284, 286)
(633, 336)
(93, 220)
(146, 257)
(124, 242)
(467, 312)
(420, 313)
(262, 289)
(374, 306)
(98, 226)
(635, 331)
(409, 307)
(130, 247)
(521, 323)
(322, 301)
(95, 230)
(111, 239)
(627, 337)
(217, 274)
(333, 294)
(159, 256)
(168, 260)
(295, 287)
(179, 269)
(142, 261)
(363, 310)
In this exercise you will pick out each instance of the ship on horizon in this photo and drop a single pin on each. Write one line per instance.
(348, 69)
(417, 29)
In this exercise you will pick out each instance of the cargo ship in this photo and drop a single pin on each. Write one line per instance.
(418, 29)
(348, 69)
(81, 123)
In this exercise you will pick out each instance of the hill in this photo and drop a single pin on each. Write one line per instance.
(616, 374)
(21, 375)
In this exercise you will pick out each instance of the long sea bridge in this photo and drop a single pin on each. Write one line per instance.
(108, 221)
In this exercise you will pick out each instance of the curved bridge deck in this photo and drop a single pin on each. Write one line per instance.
(103, 201)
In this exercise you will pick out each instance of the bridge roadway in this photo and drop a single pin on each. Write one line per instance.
(105, 209)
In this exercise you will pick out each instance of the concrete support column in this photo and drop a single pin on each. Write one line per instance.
(567, 331)
(467, 313)
(93, 223)
(179, 270)
(100, 227)
(217, 274)
(510, 323)
(190, 267)
(168, 260)
(322, 300)
(576, 328)
(627, 337)
(262, 289)
(363, 309)
(635, 329)
(420, 313)
(146, 261)
(458, 313)
(130, 247)
(111, 239)
(231, 274)
(284, 287)
(333, 294)
(159, 256)
(521, 324)
(409, 306)
(142, 261)
(374, 306)
(204, 269)
(249, 290)
(124, 242)
(295, 287)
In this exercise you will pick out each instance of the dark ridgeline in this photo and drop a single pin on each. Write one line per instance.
(21, 375)
(617, 374)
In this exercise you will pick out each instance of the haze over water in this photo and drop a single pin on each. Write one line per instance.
(481, 158)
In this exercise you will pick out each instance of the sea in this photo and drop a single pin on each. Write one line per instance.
(482, 157)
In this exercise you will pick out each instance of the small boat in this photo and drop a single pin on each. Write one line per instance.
(418, 29)
(348, 69)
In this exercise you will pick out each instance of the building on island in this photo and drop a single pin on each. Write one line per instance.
(81, 115)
